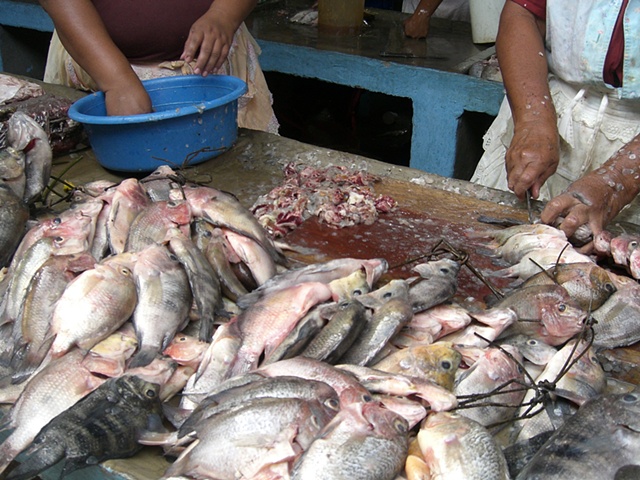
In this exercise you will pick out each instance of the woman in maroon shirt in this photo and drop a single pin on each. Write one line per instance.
(106, 40)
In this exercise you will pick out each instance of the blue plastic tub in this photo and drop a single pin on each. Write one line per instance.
(194, 120)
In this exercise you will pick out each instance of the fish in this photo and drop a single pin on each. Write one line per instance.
(489, 326)
(622, 246)
(364, 441)
(82, 317)
(377, 381)
(438, 362)
(534, 350)
(339, 334)
(616, 322)
(587, 283)
(603, 436)
(432, 324)
(108, 357)
(455, 447)
(251, 253)
(545, 312)
(51, 391)
(541, 259)
(215, 365)
(268, 322)
(159, 183)
(261, 436)
(324, 272)
(24, 133)
(439, 281)
(269, 387)
(212, 243)
(129, 200)
(12, 174)
(224, 210)
(489, 390)
(13, 221)
(46, 287)
(118, 409)
(516, 247)
(151, 225)
(164, 300)
(501, 235)
(305, 331)
(205, 285)
(350, 286)
(186, 350)
(385, 323)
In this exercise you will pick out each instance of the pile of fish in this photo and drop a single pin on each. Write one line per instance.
(160, 312)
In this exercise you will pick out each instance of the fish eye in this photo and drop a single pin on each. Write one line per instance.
(387, 295)
(532, 342)
(357, 292)
(182, 339)
(125, 271)
(633, 244)
(57, 221)
(151, 393)
(400, 425)
(367, 398)
(332, 404)
(58, 239)
(609, 287)
(444, 270)
(630, 398)
(562, 307)
(446, 364)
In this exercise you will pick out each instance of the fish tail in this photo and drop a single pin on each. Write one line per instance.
(206, 329)
(40, 458)
(143, 358)
(7, 454)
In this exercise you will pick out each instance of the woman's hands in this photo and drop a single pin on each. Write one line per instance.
(211, 36)
(532, 157)
(209, 42)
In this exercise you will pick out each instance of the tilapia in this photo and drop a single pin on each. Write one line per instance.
(587, 283)
(600, 440)
(490, 389)
(439, 281)
(204, 283)
(12, 172)
(119, 409)
(542, 259)
(164, 300)
(94, 305)
(545, 312)
(438, 363)
(268, 322)
(456, 447)
(151, 225)
(129, 200)
(13, 220)
(339, 334)
(616, 322)
(48, 393)
(25, 134)
(432, 324)
(251, 253)
(260, 438)
(384, 324)
(364, 441)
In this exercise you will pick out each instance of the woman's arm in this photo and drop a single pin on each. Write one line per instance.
(417, 25)
(533, 154)
(85, 37)
(596, 198)
(211, 35)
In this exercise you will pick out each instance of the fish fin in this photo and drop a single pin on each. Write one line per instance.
(143, 358)
(39, 458)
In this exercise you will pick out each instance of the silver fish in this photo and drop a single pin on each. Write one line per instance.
(164, 300)
(439, 281)
(364, 441)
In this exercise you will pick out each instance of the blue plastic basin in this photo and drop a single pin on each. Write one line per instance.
(194, 120)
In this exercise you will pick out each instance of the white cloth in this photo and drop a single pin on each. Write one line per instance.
(592, 128)
(449, 9)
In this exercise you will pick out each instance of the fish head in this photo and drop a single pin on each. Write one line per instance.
(135, 390)
(351, 286)
(186, 349)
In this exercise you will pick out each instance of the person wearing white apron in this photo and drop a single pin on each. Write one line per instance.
(568, 130)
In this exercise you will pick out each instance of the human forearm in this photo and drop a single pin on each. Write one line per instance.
(417, 25)
(233, 12)
(85, 37)
(520, 50)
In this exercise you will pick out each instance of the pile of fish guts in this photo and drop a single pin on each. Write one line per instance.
(159, 312)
